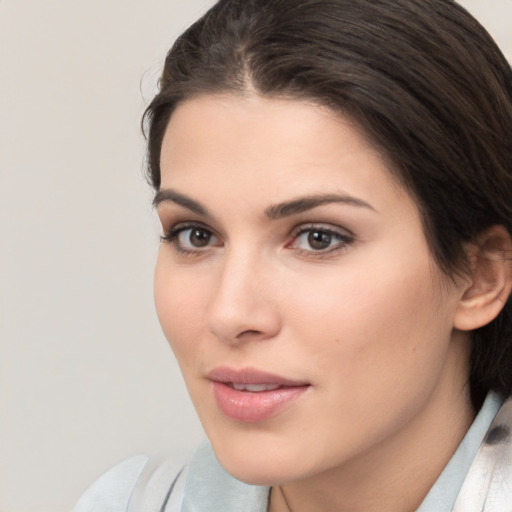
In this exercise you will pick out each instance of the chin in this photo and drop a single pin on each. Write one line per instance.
(257, 474)
(257, 463)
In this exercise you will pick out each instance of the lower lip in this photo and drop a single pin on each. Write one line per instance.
(250, 407)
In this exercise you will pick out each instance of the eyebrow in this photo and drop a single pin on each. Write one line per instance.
(274, 212)
(304, 204)
(169, 195)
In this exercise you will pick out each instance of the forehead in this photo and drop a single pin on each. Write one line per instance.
(253, 136)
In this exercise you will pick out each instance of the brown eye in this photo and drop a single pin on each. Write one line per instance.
(191, 238)
(319, 240)
(198, 237)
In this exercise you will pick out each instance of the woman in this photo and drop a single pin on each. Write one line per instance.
(333, 179)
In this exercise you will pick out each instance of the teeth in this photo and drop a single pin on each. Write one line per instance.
(255, 388)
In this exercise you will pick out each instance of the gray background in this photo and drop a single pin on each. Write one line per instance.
(86, 377)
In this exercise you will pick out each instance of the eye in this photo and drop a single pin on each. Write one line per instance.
(191, 238)
(319, 239)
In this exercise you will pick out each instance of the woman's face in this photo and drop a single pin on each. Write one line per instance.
(297, 291)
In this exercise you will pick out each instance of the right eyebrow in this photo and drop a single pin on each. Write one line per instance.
(170, 195)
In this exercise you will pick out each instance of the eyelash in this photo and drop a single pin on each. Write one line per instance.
(343, 240)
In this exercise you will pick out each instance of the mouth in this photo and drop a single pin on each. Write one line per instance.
(253, 388)
(251, 396)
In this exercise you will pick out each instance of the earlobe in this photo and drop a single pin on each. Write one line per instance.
(490, 279)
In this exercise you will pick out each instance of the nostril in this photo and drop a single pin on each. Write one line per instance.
(248, 333)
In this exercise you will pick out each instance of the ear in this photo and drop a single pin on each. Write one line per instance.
(490, 279)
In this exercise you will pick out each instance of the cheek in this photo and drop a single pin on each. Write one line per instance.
(375, 342)
(179, 308)
(371, 318)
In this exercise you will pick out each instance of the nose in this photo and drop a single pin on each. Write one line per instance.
(244, 304)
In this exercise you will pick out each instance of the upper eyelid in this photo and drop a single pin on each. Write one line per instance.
(342, 235)
(191, 224)
(171, 214)
(176, 227)
(322, 226)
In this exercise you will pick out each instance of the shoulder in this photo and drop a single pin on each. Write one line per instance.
(138, 483)
(146, 483)
(112, 491)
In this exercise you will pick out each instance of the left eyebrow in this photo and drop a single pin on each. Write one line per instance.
(303, 204)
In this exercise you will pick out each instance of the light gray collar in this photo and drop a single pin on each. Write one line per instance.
(488, 485)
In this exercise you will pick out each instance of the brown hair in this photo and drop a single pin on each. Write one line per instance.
(422, 77)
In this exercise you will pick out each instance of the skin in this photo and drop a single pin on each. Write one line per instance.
(367, 320)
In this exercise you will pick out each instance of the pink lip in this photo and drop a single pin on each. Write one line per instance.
(248, 406)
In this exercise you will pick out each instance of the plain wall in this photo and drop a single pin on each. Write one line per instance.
(86, 377)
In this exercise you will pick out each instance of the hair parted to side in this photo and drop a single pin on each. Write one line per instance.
(422, 78)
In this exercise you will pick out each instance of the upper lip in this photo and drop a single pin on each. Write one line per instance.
(250, 376)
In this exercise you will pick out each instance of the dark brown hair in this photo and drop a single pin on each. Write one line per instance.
(422, 78)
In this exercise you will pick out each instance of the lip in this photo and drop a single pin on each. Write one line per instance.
(251, 406)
